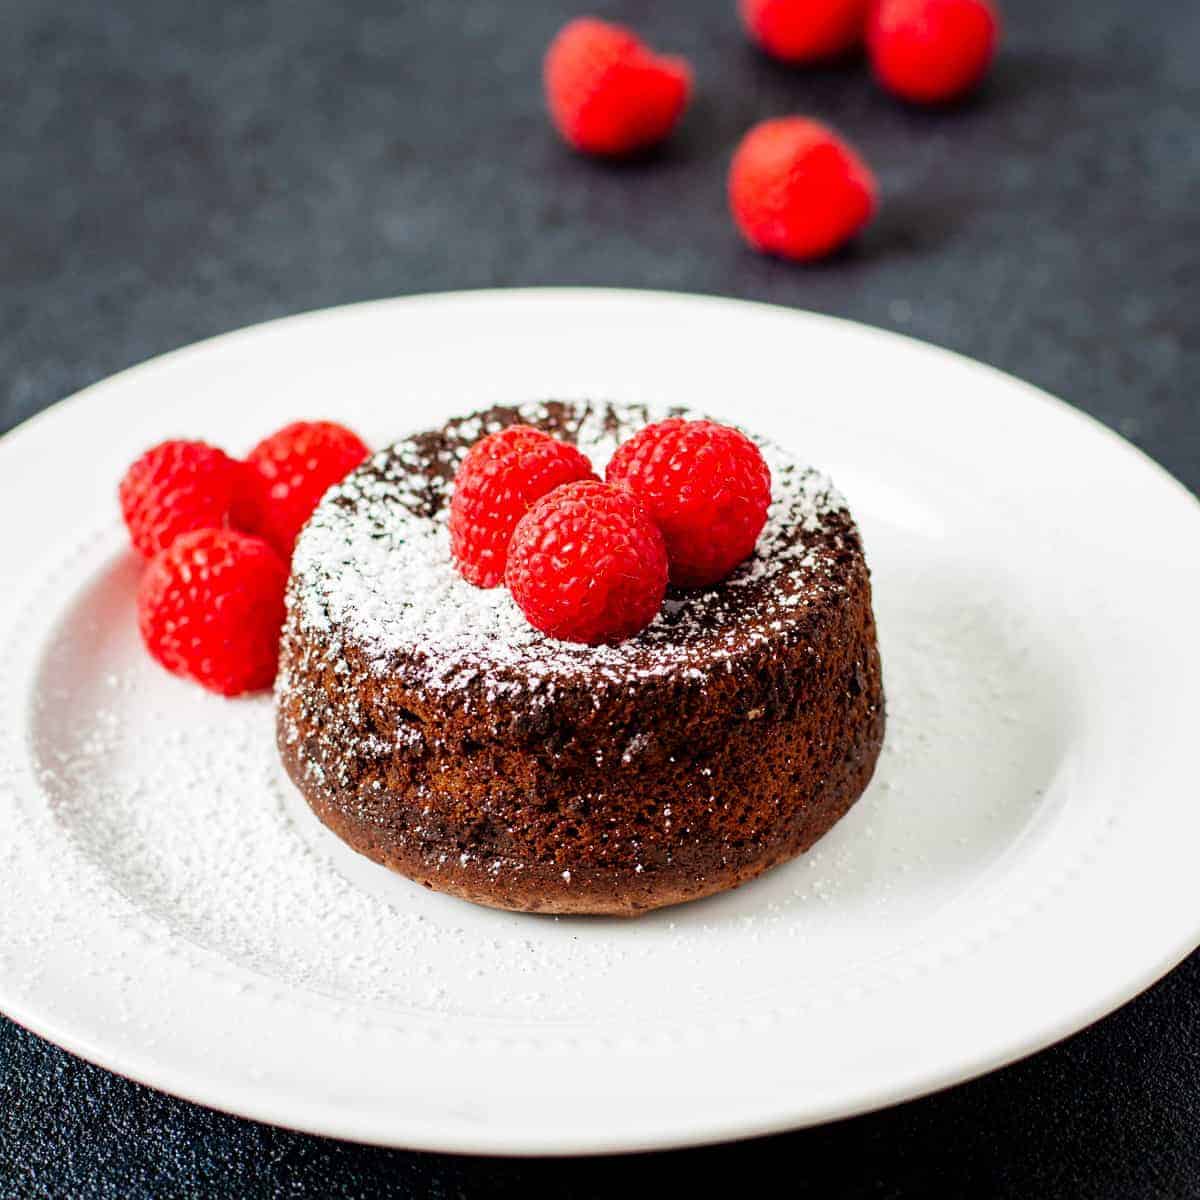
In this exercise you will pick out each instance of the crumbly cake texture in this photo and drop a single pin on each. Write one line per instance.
(437, 732)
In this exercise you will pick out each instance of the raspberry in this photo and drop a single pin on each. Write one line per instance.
(608, 93)
(288, 473)
(706, 487)
(931, 51)
(801, 31)
(498, 481)
(210, 608)
(797, 190)
(175, 487)
(586, 564)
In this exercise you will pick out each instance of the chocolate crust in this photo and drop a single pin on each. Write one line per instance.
(601, 791)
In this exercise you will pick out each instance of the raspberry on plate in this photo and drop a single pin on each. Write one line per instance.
(797, 190)
(801, 31)
(931, 51)
(587, 564)
(707, 488)
(608, 93)
(287, 474)
(210, 608)
(175, 487)
(499, 479)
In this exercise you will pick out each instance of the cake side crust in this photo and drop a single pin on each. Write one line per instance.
(598, 890)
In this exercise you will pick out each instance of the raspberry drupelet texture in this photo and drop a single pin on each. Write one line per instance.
(932, 51)
(706, 487)
(607, 93)
(210, 608)
(286, 475)
(502, 476)
(175, 487)
(587, 564)
(798, 190)
(802, 31)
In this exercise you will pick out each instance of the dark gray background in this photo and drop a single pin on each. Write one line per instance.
(171, 170)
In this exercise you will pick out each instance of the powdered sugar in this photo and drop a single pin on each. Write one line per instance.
(374, 566)
(194, 839)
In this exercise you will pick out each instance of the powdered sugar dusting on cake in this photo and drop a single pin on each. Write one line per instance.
(374, 566)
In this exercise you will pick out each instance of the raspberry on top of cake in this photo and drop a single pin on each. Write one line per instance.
(375, 563)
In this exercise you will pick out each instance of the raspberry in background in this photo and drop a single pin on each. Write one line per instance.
(210, 608)
(498, 481)
(587, 564)
(173, 488)
(608, 93)
(803, 31)
(931, 51)
(798, 190)
(706, 487)
(286, 475)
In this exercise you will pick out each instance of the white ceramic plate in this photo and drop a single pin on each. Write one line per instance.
(1023, 862)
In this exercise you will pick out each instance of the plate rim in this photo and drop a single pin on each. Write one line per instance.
(471, 1141)
(593, 293)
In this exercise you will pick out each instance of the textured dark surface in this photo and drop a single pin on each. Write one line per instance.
(171, 170)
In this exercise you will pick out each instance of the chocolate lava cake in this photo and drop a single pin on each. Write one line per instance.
(437, 732)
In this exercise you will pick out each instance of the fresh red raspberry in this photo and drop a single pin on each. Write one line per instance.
(502, 476)
(931, 51)
(288, 473)
(210, 608)
(801, 31)
(175, 487)
(797, 190)
(706, 487)
(586, 564)
(608, 93)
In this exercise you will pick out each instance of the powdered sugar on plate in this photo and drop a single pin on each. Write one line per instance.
(177, 800)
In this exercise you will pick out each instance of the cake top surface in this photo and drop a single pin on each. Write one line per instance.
(373, 568)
